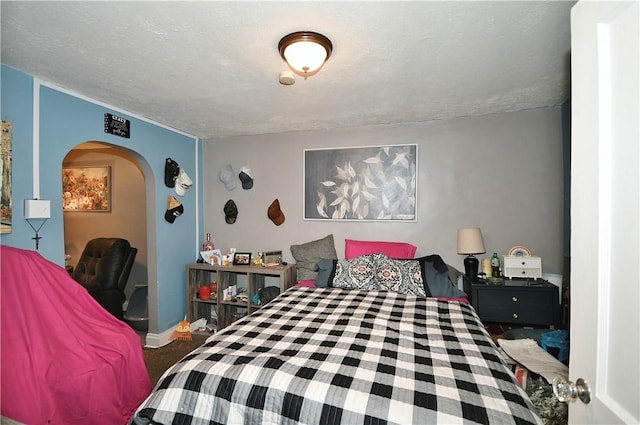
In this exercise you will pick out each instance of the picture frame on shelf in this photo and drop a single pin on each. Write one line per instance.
(242, 259)
(213, 257)
(272, 258)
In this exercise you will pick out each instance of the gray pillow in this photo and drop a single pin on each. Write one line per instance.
(326, 269)
(307, 255)
(454, 274)
(438, 282)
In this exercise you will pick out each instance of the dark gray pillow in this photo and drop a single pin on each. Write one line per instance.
(437, 282)
(326, 270)
(307, 255)
(454, 274)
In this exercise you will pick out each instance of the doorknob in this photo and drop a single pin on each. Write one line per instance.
(567, 391)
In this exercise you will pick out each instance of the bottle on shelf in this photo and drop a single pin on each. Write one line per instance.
(208, 244)
(495, 265)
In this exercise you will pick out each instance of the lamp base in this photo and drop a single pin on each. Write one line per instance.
(471, 266)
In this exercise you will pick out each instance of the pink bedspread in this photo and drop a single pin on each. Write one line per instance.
(65, 360)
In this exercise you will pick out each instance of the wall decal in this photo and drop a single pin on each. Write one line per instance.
(117, 126)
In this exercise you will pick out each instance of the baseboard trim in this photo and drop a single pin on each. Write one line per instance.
(158, 340)
(164, 338)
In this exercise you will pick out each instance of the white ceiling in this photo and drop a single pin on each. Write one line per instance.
(211, 68)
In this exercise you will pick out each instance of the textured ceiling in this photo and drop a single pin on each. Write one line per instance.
(211, 68)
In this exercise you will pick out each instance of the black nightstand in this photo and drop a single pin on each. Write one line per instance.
(519, 302)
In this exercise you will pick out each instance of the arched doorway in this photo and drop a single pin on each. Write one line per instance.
(126, 212)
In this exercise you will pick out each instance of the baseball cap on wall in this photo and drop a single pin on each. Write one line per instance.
(171, 171)
(174, 209)
(227, 177)
(230, 212)
(183, 182)
(246, 177)
(275, 214)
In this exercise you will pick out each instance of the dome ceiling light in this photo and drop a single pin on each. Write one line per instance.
(305, 52)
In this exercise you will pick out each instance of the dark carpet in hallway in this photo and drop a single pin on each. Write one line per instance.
(158, 360)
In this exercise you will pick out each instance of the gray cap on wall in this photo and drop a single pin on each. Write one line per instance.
(227, 176)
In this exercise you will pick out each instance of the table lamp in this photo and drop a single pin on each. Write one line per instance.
(470, 243)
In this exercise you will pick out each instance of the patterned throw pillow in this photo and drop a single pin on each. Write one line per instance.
(403, 276)
(357, 273)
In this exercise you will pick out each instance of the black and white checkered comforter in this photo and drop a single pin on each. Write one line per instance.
(332, 356)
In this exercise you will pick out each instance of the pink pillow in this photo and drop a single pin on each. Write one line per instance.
(307, 283)
(397, 250)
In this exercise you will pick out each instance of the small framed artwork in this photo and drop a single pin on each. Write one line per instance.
(86, 189)
(272, 258)
(242, 259)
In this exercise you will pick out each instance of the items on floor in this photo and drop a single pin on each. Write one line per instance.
(534, 356)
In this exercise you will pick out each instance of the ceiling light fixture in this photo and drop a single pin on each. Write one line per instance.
(305, 52)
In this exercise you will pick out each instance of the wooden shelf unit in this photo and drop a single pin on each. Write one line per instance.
(253, 278)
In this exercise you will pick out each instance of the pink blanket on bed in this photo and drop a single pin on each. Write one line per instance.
(65, 360)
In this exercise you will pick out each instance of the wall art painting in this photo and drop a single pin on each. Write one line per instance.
(86, 189)
(374, 183)
(6, 157)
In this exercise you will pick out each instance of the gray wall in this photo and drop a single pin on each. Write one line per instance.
(128, 203)
(500, 172)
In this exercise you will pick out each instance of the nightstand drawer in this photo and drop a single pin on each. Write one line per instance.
(522, 267)
(522, 305)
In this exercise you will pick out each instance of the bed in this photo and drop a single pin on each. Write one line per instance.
(350, 356)
(379, 337)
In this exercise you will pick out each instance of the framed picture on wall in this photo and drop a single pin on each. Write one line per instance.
(86, 189)
(374, 183)
(6, 209)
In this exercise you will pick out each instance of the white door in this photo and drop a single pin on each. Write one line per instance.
(605, 211)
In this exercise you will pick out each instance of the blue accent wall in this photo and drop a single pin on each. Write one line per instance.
(66, 121)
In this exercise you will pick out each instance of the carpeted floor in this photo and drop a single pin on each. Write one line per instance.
(158, 360)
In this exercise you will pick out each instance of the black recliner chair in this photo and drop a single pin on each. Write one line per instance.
(103, 269)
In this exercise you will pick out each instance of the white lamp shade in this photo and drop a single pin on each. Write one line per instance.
(305, 56)
(470, 241)
(305, 51)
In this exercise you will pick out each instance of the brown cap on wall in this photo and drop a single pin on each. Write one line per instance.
(275, 213)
